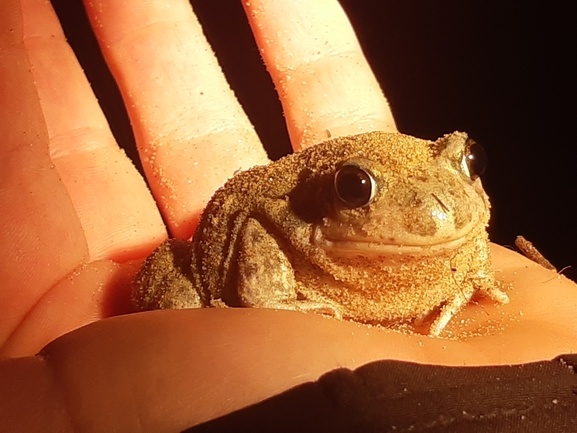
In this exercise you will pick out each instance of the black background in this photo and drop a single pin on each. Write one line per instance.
(499, 70)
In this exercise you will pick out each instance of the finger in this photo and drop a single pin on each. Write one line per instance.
(141, 372)
(97, 290)
(191, 131)
(112, 201)
(325, 84)
(41, 239)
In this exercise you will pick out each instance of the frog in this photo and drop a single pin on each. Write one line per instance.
(378, 228)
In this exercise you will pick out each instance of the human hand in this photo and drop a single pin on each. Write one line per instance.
(78, 209)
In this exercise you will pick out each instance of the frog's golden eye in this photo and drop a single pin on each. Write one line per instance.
(354, 186)
(474, 158)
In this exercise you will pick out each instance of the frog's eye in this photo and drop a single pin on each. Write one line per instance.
(474, 159)
(354, 186)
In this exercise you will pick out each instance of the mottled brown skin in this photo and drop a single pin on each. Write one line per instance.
(280, 236)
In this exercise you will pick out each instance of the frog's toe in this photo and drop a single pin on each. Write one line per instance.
(320, 308)
(304, 307)
(497, 295)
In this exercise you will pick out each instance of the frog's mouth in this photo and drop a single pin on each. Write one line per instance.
(377, 248)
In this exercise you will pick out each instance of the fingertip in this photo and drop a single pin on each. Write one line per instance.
(324, 82)
(191, 132)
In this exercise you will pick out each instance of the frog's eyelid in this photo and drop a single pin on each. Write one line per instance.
(464, 159)
(353, 163)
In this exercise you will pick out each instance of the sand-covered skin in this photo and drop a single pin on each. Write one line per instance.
(377, 228)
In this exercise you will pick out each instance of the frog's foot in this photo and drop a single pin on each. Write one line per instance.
(320, 308)
(453, 306)
(449, 310)
(164, 280)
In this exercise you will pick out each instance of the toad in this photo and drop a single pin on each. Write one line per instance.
(377, 228)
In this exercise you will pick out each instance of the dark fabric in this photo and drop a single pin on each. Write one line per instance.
(394, 396)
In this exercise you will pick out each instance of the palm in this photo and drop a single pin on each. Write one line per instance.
(68, 228)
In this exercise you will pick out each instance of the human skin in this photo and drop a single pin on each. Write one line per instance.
(77, 218)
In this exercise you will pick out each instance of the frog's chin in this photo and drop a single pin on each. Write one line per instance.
(375, 248)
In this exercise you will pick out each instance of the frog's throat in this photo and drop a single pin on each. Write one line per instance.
(372, 248)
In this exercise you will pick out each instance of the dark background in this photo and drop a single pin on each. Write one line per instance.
(499, 70)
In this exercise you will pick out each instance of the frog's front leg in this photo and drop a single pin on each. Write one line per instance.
(165, 279)
(266, 277)
(462, 299)
(451, 308)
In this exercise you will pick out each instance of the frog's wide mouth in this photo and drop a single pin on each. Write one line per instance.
(377, 248)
